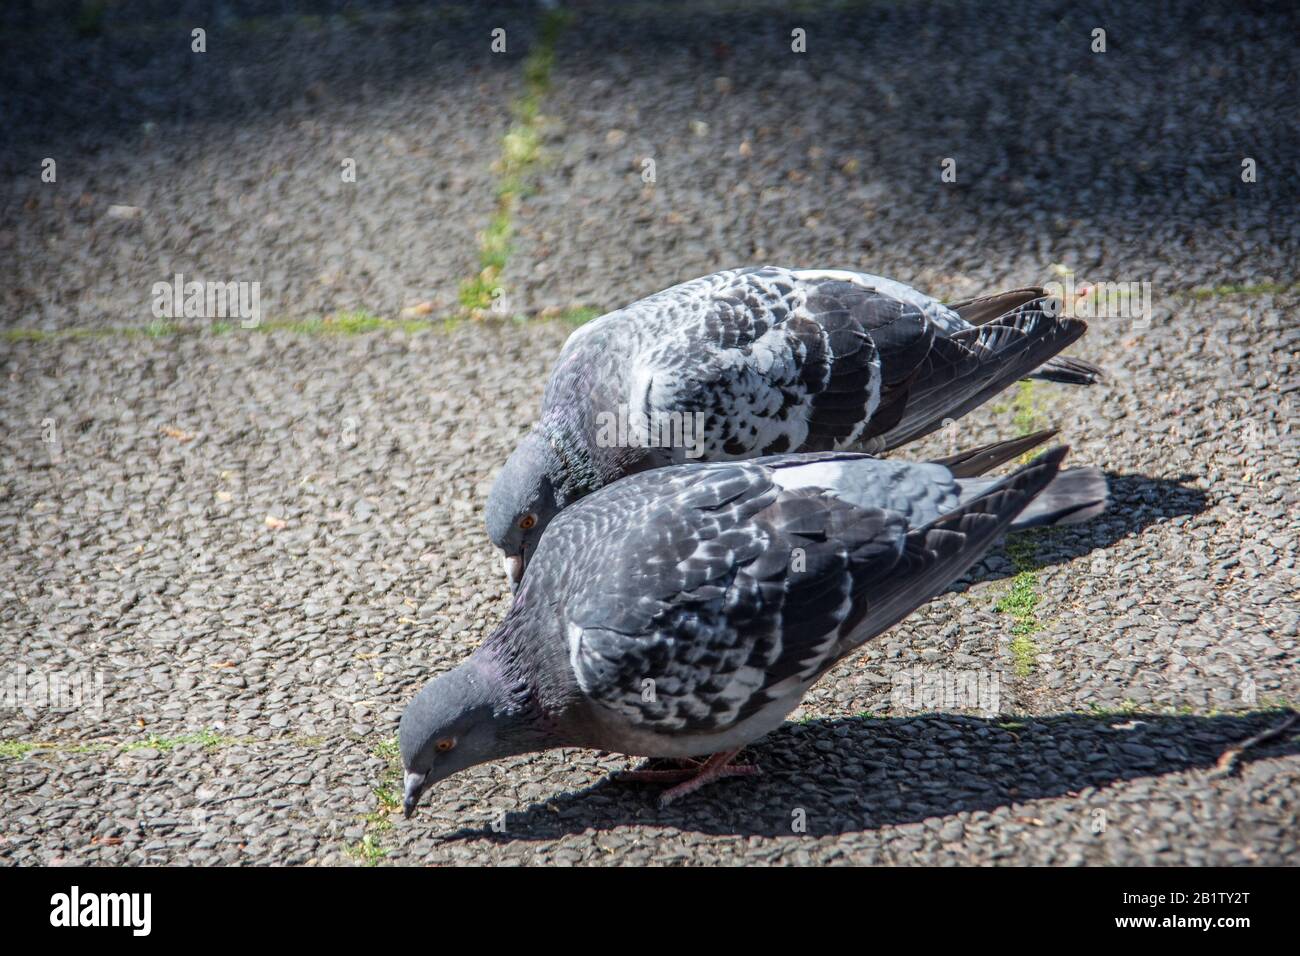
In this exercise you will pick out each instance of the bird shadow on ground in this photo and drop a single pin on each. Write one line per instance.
(851, 774)
(1136, 502)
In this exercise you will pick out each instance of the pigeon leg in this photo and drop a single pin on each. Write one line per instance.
(686, 768)
(717, 767)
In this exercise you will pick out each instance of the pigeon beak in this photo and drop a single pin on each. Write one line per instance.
(514, 570)
(414, 787)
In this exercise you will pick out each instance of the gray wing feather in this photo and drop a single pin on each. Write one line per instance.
(940, 552)
(697, 588)
(688, 578)
(968, 368)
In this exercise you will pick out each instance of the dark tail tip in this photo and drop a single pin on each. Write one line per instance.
(976, 461)
(1072, 497)
(1069, 371)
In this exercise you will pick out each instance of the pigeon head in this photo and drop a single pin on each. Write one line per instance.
(522, 502)
(456, 721)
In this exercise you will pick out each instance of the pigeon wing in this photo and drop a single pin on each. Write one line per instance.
(718, 595)
(777, 362)
(694, 597)
(967, 368)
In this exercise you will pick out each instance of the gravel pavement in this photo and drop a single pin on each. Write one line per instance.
(247, 549)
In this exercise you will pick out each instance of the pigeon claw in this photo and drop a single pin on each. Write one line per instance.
(691, 775)
(699, 780)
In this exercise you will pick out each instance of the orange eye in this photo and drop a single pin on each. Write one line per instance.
(446, 744)
(527, 521)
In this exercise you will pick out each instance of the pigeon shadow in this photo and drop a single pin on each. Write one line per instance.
(1136, 502)
(853, 774)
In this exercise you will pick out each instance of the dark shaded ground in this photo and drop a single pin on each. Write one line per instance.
(253, 670)
(1000, 763)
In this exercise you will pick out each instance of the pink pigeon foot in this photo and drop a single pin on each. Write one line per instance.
(693, 775)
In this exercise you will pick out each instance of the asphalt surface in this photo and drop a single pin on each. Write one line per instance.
(262, 543)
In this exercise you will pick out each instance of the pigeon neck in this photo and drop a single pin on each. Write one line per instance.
(533, 680)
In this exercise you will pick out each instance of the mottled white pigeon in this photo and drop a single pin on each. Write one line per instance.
(685, 611)
(762, 361)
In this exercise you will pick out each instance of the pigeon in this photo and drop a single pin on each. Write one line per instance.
(683, 612)
(761, 361)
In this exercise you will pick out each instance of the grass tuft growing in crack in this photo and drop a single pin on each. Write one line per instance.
(1125, 709)
(17, 749)
(1238, 288)
(579, 315)
(1021, 602)
(89, 19)
(388, 797)
(14, 749)
(357, 322)
(209, 739)
(521, 151)
(1025, 412)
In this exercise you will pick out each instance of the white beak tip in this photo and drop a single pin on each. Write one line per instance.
(514, 567)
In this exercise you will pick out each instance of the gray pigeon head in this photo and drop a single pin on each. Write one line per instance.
(522, 502)
(453, 723)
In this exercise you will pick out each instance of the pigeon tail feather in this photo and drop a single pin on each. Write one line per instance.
(1069, 371)
(1074, 496)
(986, 308)
(957, 540)
(974, 462)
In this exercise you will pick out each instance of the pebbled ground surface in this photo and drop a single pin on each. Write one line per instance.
(246, 550)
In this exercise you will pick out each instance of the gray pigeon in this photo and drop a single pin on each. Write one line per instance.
(762, 361)
(685, 611)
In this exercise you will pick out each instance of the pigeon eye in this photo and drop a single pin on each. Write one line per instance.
(527, 521)
(445, 744)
